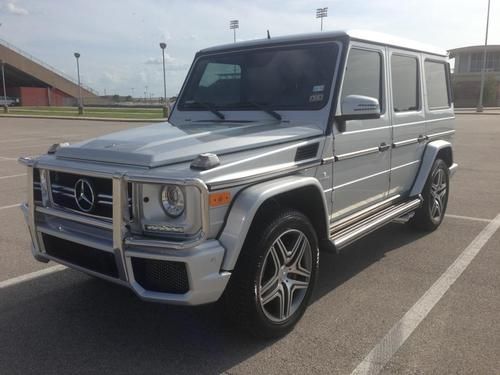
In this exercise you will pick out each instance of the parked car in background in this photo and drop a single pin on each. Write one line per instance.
(9, 101)
(275, 151)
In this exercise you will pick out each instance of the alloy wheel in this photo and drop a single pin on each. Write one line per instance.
(439, 190)
(285, 275)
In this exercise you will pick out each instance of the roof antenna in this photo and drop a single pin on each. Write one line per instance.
(268, 35)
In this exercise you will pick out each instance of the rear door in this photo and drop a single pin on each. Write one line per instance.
(362, 152)
(407, 118)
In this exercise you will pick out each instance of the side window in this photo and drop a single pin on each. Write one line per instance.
(363, 74)
(405, 83)
(437, 85)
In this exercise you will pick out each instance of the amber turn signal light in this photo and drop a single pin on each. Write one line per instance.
(219, 199)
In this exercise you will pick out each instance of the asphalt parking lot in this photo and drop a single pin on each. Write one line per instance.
(67, 322)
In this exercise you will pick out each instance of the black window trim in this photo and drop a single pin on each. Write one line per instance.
(419, 82)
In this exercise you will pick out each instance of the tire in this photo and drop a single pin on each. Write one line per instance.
(279, 260)
(436, 190)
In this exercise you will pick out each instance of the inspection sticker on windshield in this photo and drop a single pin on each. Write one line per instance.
(316, 98)
(319, 88)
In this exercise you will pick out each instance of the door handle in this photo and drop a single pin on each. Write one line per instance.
(383, 147)
(421, 138)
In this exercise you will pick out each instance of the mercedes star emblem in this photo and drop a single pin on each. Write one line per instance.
(84, 195)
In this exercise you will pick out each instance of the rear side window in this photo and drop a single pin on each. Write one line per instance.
(436, 85)
(405, 86)
(363, 74)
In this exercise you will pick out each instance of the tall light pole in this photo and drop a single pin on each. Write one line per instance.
(80, 102)
(480, 104)
(5, 106)
(322, 13)
(163, 45)
(233, 25)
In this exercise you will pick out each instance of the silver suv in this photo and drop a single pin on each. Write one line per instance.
(275, 150)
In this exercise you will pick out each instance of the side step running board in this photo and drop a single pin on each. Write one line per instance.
(346, 236)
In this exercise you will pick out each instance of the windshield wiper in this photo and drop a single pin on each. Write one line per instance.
(264, 108)
(210, 106)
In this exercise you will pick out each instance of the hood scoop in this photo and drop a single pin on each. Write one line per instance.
(205, 161)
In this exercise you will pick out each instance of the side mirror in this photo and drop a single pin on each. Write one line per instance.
(357, 107)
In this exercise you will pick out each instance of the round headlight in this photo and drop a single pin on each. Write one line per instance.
(172, 199)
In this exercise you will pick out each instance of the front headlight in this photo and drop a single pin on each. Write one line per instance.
(44, 187)
(173, 200)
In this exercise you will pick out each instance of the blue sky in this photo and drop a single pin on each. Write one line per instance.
(118, 40)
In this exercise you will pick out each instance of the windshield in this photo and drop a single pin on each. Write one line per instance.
(290, 78)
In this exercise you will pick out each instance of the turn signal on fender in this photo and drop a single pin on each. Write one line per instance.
(219, 199)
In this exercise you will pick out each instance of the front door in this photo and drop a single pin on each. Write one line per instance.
(362, 164)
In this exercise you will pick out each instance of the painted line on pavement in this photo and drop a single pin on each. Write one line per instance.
(468, 218)
(31, 276)
(381, 354)
(10, 206)
(6, 159)
(12, 176)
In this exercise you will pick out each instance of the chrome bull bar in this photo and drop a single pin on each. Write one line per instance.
(122, 238)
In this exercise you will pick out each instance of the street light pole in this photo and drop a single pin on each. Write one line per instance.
(480, 104)
(5, 106)
(233, 25)
(80, 102)
(322, 13)
(163, 45)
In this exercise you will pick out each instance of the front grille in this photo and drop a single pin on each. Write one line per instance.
(63, 187)
(80, 255)
(161, 276)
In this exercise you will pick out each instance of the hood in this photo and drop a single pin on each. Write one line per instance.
(164, 144)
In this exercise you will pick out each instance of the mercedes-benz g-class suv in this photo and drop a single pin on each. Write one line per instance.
(275, 150)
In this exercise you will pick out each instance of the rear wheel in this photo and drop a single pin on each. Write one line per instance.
(430, 215)
(275, 274)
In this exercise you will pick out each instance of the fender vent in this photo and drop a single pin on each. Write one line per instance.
(307, 152)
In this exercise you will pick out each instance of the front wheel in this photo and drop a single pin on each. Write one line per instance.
(275, 274)
(430, 215)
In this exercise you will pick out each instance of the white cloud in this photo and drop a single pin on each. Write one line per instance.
(159, 61)
(12, 8)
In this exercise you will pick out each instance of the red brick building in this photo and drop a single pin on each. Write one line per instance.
(34, 83)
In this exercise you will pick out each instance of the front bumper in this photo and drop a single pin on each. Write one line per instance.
(200, 259)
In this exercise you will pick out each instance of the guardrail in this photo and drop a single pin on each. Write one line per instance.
(45, 65)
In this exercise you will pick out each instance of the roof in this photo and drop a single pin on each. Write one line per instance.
(468, 49)
(360, 35)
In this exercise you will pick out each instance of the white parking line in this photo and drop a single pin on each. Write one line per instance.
(381, 354)
(468, 218)
(31, 276)
(10, 206)
(12, 176)
(3, 158)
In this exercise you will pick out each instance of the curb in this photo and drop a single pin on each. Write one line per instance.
(84, 118)
(477, 113)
